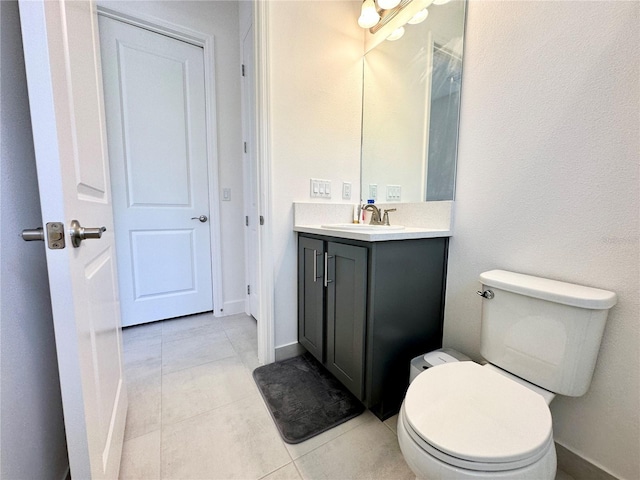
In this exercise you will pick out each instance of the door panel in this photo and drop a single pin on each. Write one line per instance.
(65, 96)
(346, 314)
(156, 119)
(151, 180)
(147, 247)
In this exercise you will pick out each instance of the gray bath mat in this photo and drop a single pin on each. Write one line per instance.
(304, 398)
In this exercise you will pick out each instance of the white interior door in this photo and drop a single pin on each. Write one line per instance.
(156, 120)
(252, 207)
(62, 61)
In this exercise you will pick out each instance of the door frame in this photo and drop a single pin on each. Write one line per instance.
(207, 43)
(248, 137)
(266, 271)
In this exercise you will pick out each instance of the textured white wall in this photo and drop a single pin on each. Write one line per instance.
(316, 98)
(220, 19)
(548, 184)
(32, 440)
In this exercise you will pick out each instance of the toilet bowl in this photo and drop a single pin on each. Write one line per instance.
(462, 420)
(540, 337)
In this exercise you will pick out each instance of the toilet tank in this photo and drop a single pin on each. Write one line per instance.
(544, 331)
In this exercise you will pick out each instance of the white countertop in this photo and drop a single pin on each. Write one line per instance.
(407, 233)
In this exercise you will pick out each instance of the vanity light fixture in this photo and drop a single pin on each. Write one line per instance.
(419, 17)
(369, 16)
(396, 34)
(388, 4)
(440, 2)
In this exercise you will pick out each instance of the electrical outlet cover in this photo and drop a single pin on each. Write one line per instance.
(346, 190)
(373, 191)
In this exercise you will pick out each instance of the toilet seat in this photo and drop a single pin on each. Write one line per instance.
(474, 418)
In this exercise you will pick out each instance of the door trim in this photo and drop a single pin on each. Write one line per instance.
(266, 327)
(248, 137)
(206, 42)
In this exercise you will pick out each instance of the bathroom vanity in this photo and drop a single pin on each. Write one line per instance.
(370, 302)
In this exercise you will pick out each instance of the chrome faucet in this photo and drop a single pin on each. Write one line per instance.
(375, 215)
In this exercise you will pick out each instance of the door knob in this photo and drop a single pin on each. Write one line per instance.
(202, 218)
(79, 233)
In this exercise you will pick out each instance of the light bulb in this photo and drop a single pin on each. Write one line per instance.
(440, 2)
(388, 4)
(396, 34)
(369, 15)
(419, 17)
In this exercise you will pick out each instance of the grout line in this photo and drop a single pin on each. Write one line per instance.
(275, 470)
(389, 426)
(333, 438)
(298, 470)
(244, 397)
(196, 365)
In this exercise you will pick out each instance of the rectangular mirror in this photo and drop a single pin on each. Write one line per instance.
(411, 105)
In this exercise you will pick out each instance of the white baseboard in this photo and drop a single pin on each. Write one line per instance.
(289, 351)
(232, 308)
(579, 468)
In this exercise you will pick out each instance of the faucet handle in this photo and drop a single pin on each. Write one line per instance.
(385, 217)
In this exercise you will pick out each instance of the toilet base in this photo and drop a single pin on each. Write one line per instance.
(428, 467)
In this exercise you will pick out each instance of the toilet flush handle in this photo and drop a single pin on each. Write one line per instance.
(488, 294)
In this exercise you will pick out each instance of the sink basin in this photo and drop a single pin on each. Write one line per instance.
(363, 227)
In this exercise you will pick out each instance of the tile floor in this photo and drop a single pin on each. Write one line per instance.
(195, 413)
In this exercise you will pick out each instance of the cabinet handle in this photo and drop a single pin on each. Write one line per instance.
(315, 266)
(326, 269)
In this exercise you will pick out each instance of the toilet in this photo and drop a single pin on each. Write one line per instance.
(540, 338)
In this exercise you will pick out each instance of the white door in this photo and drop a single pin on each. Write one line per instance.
(156, 120)
(62, 61)
(252, 208)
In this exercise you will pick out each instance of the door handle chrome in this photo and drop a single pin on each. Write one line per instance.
(326, 269)
(315, 265)
(79, 233)
(202, 218)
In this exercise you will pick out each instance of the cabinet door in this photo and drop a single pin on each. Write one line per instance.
(346, 314)
(311, 296)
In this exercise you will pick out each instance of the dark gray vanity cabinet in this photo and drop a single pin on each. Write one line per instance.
(345, 313)
(311, 330)
(365, 309)
(332, 294)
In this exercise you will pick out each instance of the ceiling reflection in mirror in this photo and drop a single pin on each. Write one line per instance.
(411, 104)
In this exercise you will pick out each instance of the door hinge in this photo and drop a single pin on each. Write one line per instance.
(261, 220)
(246, 220)
(248, 289)
(245, 147)
(243, 70)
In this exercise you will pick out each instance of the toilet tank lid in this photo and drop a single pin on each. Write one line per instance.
(550, 290)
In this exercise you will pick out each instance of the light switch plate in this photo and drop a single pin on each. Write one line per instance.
(320, 188)
(394, 193)
(226, 194)
(346, 190)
